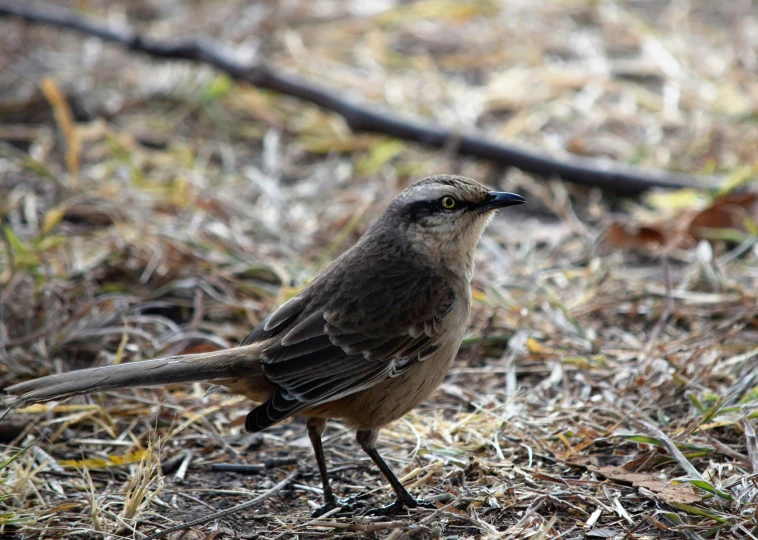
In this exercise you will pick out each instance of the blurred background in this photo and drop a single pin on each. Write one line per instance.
(153, 207)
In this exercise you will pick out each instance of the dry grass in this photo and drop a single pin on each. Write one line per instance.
(170, 210)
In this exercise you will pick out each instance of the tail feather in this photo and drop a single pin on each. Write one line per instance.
(215, 366)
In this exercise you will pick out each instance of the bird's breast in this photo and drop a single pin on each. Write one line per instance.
(394, 397)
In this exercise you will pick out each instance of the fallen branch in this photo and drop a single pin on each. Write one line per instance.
(229, 511)
(361, 116)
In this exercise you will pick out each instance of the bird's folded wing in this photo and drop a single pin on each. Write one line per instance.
(347, 345)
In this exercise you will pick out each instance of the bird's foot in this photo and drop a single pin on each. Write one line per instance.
(399, 505)
(345, 505)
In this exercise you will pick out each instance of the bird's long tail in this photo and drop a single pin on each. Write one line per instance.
(228, 364)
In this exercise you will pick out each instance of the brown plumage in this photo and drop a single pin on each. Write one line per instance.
(365, 342)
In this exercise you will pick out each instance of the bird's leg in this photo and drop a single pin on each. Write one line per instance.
(367, 440)
(315, 430)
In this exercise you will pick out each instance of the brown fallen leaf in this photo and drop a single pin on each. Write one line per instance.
(630, 237)
(95, 213)
(728, 212)
(734, 211)
(669, 493)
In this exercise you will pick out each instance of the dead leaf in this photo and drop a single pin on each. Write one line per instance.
(52, 218)
(65, 119)
(534, 346)
(668, 492)
(630, 237)
(732, 211)
(105, 462)
(92, 213)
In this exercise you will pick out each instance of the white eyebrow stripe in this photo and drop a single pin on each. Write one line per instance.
(426, 193)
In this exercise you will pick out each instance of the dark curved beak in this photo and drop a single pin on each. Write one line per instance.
(500, 199)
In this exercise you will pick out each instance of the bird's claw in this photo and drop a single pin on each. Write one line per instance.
(345, 505)
(421, 503)
(399, 505)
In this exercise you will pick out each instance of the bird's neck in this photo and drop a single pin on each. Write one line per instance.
(449, 253)
(458, 260)
(453, 254)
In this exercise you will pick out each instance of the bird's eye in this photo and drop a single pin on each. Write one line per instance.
(448, 203)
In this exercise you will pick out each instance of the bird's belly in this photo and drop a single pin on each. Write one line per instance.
(392, 398)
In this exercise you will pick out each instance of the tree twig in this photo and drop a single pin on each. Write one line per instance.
(361, 116)
(229, 511)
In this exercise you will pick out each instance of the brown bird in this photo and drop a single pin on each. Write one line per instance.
(365, 342)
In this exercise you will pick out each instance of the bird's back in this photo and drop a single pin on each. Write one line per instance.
(367, 319)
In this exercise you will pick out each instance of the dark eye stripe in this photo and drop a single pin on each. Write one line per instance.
(421, 209)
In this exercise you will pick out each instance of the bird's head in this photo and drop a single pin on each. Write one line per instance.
(443, 217)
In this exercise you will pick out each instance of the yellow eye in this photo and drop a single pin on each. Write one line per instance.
(448, 203)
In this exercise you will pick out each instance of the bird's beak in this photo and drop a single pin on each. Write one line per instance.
(500, 199)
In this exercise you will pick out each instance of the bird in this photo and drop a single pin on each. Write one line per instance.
(366, 341)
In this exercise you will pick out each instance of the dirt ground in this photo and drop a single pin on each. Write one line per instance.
(607, 386)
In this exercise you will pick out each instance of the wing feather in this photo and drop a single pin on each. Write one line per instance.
(345, 336)
(310, 327)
